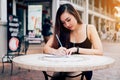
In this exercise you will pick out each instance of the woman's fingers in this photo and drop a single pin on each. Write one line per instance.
(62, 51)
(65, 51)
(71, 50)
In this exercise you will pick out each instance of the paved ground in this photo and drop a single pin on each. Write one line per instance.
(111, 49)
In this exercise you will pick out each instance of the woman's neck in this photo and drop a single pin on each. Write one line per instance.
(78, 29)
(78, 34)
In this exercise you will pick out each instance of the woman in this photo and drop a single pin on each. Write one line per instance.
(75, 37)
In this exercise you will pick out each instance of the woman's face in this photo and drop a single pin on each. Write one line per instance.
(68, 21)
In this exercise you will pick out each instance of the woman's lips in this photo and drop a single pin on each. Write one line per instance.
(69, 27)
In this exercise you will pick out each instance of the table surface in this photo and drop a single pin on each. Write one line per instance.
(71, 63)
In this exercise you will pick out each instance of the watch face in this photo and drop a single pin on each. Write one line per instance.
(14, 44)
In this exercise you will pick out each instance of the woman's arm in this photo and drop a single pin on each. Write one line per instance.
(51, 48)
(48, 48)
(93, 36)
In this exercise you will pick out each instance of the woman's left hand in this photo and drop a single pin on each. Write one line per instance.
(71, 50)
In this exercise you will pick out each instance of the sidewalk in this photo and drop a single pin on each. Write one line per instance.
(111, 49)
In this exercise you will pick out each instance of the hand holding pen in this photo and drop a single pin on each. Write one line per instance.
(61, 50)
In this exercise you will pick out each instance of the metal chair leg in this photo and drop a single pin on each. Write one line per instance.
(45, 75)
(11, 68)
(82, 77)
(2, 67)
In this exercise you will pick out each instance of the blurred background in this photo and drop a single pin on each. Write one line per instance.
(29, 16)
(104, 14)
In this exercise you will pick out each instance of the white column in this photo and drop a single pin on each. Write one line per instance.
(55, 6)
(3, 28)
(105, 8)
(24, 22)
(99, 24)
(93, 4)
(92, 19)
(3, 12)
(100, 8)
(86, 12)
(14, 7)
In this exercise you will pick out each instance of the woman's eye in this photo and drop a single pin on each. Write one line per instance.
(68, 20)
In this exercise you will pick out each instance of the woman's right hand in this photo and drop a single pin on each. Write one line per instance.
(61, 51)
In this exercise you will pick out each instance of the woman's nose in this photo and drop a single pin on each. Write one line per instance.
(67, 24)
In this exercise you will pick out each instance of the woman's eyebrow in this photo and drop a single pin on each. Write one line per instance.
(65, 19)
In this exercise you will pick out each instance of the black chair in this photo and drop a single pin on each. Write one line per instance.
(7, 58)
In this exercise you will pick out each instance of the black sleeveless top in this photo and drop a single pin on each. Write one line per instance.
(85, 44)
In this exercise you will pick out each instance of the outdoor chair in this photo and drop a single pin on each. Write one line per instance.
(7, 58)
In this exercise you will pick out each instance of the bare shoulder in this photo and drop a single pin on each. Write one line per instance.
(90, 26)
(91, 29)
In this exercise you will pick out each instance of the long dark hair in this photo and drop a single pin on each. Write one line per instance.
(60, 30)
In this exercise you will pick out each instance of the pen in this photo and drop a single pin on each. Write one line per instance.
(60, 44)
(58, 40)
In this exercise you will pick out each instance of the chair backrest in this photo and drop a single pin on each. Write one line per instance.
(24, 45)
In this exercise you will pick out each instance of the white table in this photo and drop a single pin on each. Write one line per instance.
(72, 63)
